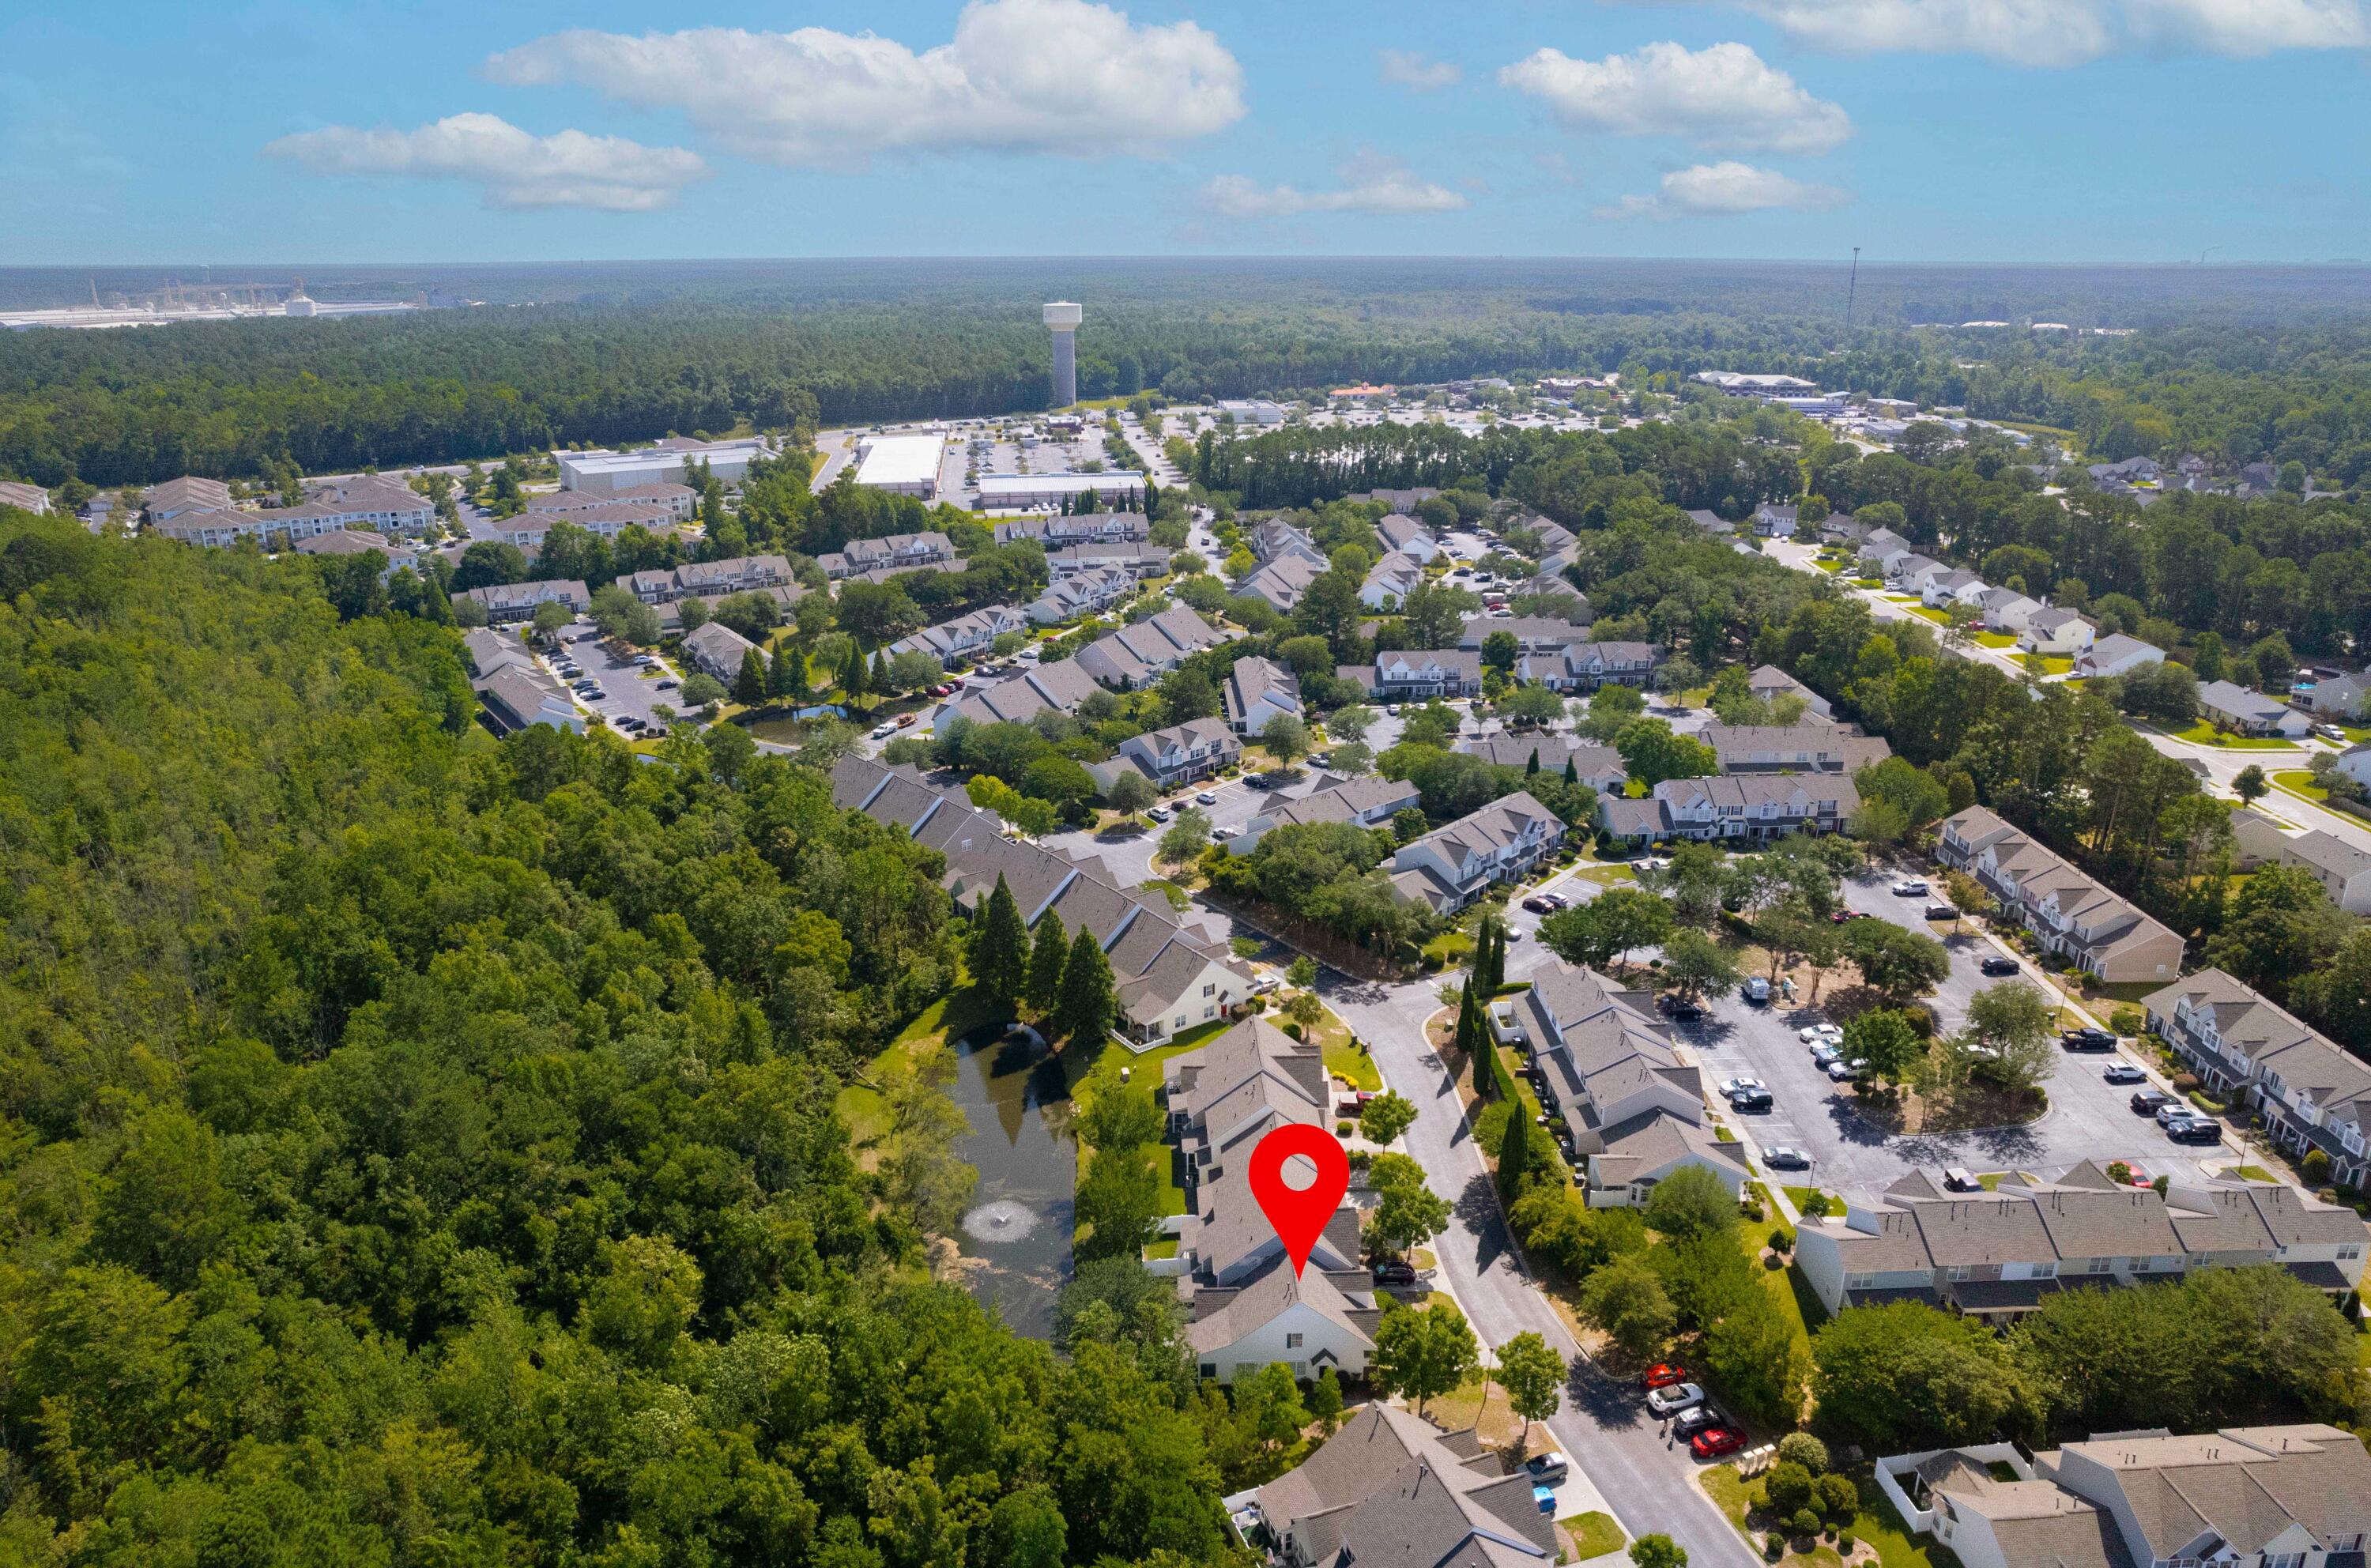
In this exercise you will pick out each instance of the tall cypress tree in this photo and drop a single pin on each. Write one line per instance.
(1000, 947)
(749, 681)
(1045, 960)
(1531, 762)
(1087, 1003)
(851, 673)
(1572, 771)
(787, 678)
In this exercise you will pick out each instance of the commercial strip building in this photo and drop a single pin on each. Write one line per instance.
(1028, 492)
(1604, 1066)
(1169, 978)
(2070, 913)
(2311, 1092)
(1999, 1254)
(2241, 1497)
(902, 465)
(665, 464)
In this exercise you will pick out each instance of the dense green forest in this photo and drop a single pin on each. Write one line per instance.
(422, 1149)
(628, 354)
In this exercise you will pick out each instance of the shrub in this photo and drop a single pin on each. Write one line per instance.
(1344, 1129)
(1774, 1545)
(1293, 1030)
(1815, 1207)
(1781, 1242)
(2120, 1173)
(1802, 1448)
(2184, 1082)
(1788, 1487)
(1921, 1021)
(1804, 1525)
(1845, 1543)
(1490, 1127)
(1432, 963)
(2127, 1019)
(2315, 1167)
(1839, 1498)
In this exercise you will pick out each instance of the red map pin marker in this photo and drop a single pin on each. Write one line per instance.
(1298, 1214)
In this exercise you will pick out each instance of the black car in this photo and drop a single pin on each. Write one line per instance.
(2144, 1102)
(1998, 965)
(1686, 1008)
(1396, 1273)
(2089, 1039)
(2197, 1130)
(1751, 1101)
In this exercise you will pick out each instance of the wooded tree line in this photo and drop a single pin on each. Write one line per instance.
(426, 1149)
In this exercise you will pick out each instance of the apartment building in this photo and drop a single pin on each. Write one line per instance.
(1532, 634)
(514, 691)
(1584, 666)
(1280, 582)
(1392, 580)
(1370, 801)
(1999, 1254)
(1605, 1067)
(1134, 557)
(1178, 754)
(1450, 867)
(964, 637)
(1404, 536)
(1755, 806)
(2312, 1092)
(1276, 538)
(1257, 690)
(1134, 656)
(528, 530)
(892, 552)
(714, 649)
(1224, 1096)
(1169, 979)
(1807, 747)
(2070, 913)
(173, 497)
(2241, 1497)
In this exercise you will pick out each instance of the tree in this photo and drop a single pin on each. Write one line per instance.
(700, 689)
(1408, 1212)
(1422, 1352)
(550, 616)
(2251, 785)
(1692, 1200)
(2016, 1025)
(1610, 711)
(1696, 964)
(1499, 651)
(1046, 959)
(787, 678)
(1625, 1300)
(1286, 738)
(1187, 836)
(1130, 792)
(999, 948)
(1653, 754)
(1754, 1352)
(489, 563)
(1532, 705)
(691, 611)
(1118, 1203)
(749, 683)
(1883, 1038)
(1908, 1375)
(1656, 1550)
(2280, 924)
(1088, 1005)
(1900, 965)
(1532, 1374)
(1382, 1119)
(1301, 972)
(1351, 759)
(1325, 1400)
(1350, 724)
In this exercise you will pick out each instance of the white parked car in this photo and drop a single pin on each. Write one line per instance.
(1677, 1398)
(1820, 1031)
(1911, 887)
(1845, 1072)
(1739, 1084)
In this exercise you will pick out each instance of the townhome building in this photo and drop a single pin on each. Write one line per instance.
(893, 552)
(1276, 538)
(1403, 534)
(1398, 500)
(1169, 979)
(1280, 582)
(1584, 666)
(1807, 747)
(1532, 634)
(1390, 1487)
(2062, 632)
(1392, 580)
(1997, 1255)
(1060, 685)
(2116, 654)
(714, 649)
(2343, 870)
(1587, 762)
(1134, 557)
(1946, 588)
(1257, 690)
(529, 530)
(519, 601)
(966, 637)
(2245, 712)
(1178, 754)
(2242, 1497)
(1369, 801)
(2311, 1092)
(1311, 1322)
(1747, 806)
(1604, 1066)
(1225, 1242)
(1086, 529)
(1768, 683)
(1222, 1096)
(1130, 658)
(1414, 674)
(1081, 593)
(2008, 611)
(513, 691)
(2070, 913)
(1451, 866)
(711, 580)
(361, 541)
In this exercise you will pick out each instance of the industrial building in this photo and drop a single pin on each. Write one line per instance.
(666, 464)
(1040, 492)
(1063, 317)
(902, 465)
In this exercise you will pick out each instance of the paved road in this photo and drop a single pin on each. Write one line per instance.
(1604, 1425)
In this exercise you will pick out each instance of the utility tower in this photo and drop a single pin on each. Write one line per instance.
(1852, 288)
(1064, 318)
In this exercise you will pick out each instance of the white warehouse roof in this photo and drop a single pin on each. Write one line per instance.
(900, 459)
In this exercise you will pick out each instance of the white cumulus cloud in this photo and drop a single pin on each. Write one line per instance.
(1372, 184)
(1406, 68)
(1721, 95)
(1724, 190)
(513, 167)
(1019, 75)
(2067, 32)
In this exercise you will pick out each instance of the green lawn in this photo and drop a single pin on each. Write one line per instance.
(2047, 663)
(1594, 1535)
(1798, 1196)
(2202, 732)
(2298, 781)
(2253, 1173)
(1925, 613)
(1451, 947)
(1996, 638)
(1877, 1524)
(1606, 875)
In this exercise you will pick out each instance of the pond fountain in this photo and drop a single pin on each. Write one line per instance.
(1013, 1091)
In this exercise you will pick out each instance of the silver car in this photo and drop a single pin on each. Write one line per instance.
(1677, 1398)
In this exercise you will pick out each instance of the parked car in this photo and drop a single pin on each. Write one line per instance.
(2171, 1111)
(1841, 915)
(2089, 1039)
(1819, 1031)
(905, 720)
(1543, 1499)
(1757, 990)
(1537, 904)
(2147, 1102)
(2330, 732)
(2123, 1072)
(1206, 796)
(1687, 1009)
(1751, 1101)
(1555, 899)
(1740, 1085)
(1826, 1051)
(2196, 1130)
(1688, 1423)
(1960, 1179)
(1551, 1467)
(1942, 912)
(1662, 1375)
(1909, 887)
(1785, 1157)
(667, 685)
(1713, 1442)
(883, 732)
(1397, 1273)
(1158, 814)
(1999, 963)
(1674, 1398)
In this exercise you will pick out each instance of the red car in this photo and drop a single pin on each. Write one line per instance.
(1662, 1375)
(1715, 1441)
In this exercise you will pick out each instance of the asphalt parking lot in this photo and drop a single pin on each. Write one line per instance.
(2089, 1118)
(1129, 856)
(625, 692)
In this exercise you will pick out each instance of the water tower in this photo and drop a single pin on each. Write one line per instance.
(1064, 318)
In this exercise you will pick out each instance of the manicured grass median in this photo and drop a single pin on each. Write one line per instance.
(2298, 781)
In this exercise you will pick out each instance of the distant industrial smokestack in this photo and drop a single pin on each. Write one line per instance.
(1064, 318)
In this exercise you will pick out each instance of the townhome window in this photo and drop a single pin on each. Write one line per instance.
(1294, 1342)
(1956, 1272)
(1210, 990)
(2102, 1265)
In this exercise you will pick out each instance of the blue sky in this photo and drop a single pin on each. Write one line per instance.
(1921, 129)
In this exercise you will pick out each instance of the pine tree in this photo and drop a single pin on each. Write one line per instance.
(749, 684)
(878, 680)
(1000, 947)
(1571, 770)
(1468, 1040)
(1087, 1003)
(851, 673)
(1514, 1155)
(1532, 765)
(1045, 960)
(787, 678)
